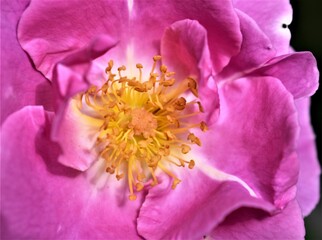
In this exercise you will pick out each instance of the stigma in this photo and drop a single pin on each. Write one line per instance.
(146, 123)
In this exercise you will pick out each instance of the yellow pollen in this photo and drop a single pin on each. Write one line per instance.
(145, 123)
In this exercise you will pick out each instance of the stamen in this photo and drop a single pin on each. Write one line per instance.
(191, 164)
(192, 84)
(185, 148)
(201, 109)
(141, 124)
(140, 66)
(194, 139)
(203, 126)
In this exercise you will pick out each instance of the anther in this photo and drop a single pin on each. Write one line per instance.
(194, 139)
(148, 85)
(132, 197)
(110, 170)
(185, 148)
(92, 90)
(170, 135)
(141, 177)
(163, 68)
(203, 126)
(168, 83)
(139, 186)
(180, 103)
(176, 181)
(122, 68)
(154, 160)
(170, 74)
(139, 65)
(157, 58)
(110, 66)
(119, 176)
(201, 109)
(192, 85)
(191, 164)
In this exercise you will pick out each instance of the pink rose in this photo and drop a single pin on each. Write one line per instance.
(221, 148)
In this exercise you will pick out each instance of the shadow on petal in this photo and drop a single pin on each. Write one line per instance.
(44, 95)
(50, 151)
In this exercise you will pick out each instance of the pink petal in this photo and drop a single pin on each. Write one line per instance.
(308, 185)
(149, 20)
(184, 47)
(42, 199)
(255, 136)
(73, 75)
(272, 17)
(76, 134)
(256, 49)
(21, 84)
(297, 71)
(50, 31)
(193, 209)
(249, 223)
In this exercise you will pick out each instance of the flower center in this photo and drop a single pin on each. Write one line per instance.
(146, 125)
(143, 123)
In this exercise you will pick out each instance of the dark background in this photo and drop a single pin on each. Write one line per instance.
(306, 31)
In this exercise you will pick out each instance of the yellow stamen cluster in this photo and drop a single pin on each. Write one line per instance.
(145, 124)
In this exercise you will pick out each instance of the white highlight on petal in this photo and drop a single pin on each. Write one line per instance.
(211, 83)
(101, 181)
(130, 62)
(130, 5)
(133, 58)
(282, 19)
(222, 176)
(96, 174)
(59, 228)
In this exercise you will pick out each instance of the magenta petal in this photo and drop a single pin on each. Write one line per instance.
(73, 24)
(308, 185)
(184, 47)
(255, 136)
(301, 81)
(73, 74)
(273, 17)
(249, 223)
(193, 209)
(21, 84)
(42, 199)
(256, 49)
(149, 20)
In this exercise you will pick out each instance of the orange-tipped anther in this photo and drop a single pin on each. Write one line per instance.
(176, 181)
(191, 164)
(139, 186)
(132, 197)
(185, 148)
(139, 65)
(157, 58)
(192, 85)
(194, 139)
(203, 126)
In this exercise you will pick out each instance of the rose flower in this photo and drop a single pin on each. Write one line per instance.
(155, 120)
